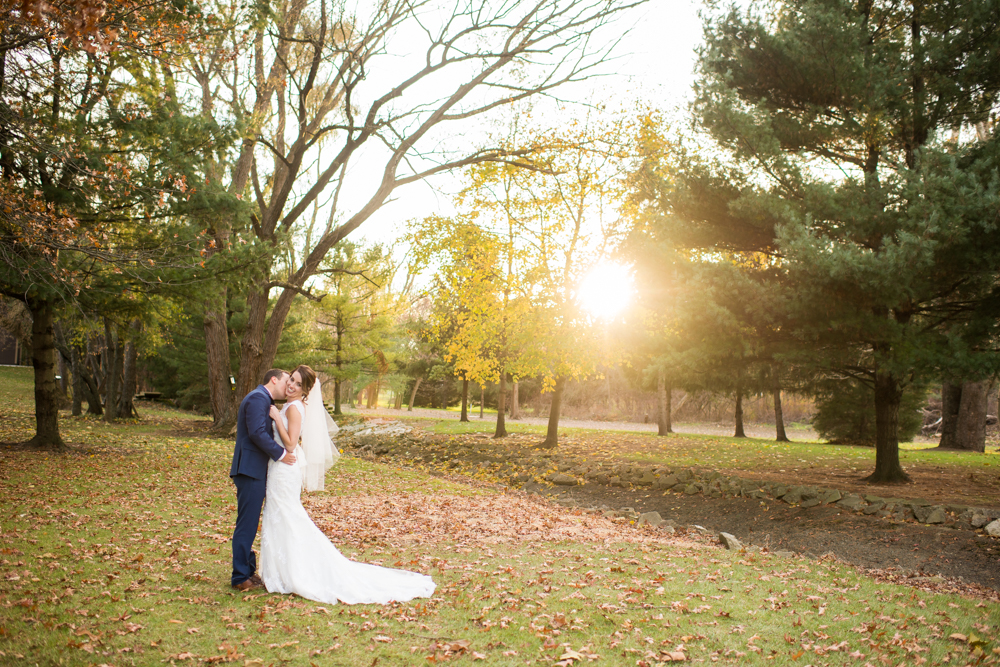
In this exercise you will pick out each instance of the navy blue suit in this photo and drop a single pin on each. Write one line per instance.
(254, 447)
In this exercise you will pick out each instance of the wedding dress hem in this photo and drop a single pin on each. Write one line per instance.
(296, 557)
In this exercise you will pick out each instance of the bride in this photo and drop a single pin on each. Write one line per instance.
(296, 557)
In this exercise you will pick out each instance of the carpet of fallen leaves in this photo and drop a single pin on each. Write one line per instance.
(117, 553)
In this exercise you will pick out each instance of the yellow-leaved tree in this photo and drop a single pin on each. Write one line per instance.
(511, 264)
(485, 285)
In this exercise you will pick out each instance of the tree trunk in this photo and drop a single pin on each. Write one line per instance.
(738, 417)
(951, 402)
(130, 373)
(220, 388)
(969, 429)
(663, 425)
(465, 399)
(63, 376)
(515, 407)
(779, 417)
(92, 393)
(64, 350)
(501, 430)
(251, 356)
(76, 365)
(482, 399)
(413, 394)
(92, 366)
(43, 359)
(115, 355)
(552, 432)
(398, 403)
(888, 395)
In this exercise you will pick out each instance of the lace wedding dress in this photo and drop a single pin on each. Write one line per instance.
(296, 557)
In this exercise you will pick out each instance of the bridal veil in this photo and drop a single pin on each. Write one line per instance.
(317, 445)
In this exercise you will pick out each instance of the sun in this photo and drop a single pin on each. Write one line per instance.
(606, 290)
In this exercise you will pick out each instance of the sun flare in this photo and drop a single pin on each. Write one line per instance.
(606, 290)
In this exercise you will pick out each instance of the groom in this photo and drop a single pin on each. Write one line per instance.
(254, 445)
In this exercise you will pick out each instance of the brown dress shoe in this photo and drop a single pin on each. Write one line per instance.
(257, 581)
(248, 584)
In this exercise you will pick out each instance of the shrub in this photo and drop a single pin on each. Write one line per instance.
(845, 412)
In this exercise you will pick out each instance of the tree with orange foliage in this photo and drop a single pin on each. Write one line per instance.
(94, 164)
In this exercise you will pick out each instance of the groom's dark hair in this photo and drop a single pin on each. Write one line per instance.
(273, 373)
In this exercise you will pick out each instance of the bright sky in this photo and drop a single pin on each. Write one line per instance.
(655, 66)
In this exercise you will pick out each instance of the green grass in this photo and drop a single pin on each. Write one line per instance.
(118, 554)
(724, 452)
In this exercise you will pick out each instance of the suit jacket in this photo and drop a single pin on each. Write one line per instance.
(254, 440)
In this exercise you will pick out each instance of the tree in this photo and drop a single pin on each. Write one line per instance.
(316, 85)
(488, 273)
(963, 415)
(357, 312)
(830, 116)
(79, 168)
(564, 213)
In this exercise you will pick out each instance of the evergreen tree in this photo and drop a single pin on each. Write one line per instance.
(846, 160)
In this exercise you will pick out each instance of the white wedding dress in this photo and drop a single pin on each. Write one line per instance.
(296, 557)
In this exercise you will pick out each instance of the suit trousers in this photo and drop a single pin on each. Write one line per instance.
(249, 501)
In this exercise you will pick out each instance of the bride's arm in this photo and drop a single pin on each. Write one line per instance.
(294, 425)
(279, 423)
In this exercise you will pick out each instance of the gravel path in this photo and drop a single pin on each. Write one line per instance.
(752, 430)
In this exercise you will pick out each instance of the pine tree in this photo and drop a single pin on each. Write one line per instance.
(845, 128)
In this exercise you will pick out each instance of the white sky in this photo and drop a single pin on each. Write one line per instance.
(655, 67)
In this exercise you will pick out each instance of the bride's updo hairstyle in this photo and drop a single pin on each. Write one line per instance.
(308, 376)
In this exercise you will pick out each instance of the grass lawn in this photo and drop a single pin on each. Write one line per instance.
(118, 554)
(967, 478)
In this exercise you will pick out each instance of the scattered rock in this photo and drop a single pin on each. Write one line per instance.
(562, 479)
(651, 518)
(903, 513)
(729, 541)
(667, 481)
(993, 528)
(937, 515)
(647, 479)
(852, 502)
(792, 497)
(929, 514)
(979, 520)
(785, 554)
(831, 496)
(874, 508)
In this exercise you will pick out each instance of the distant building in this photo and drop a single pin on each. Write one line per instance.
(11, 351)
